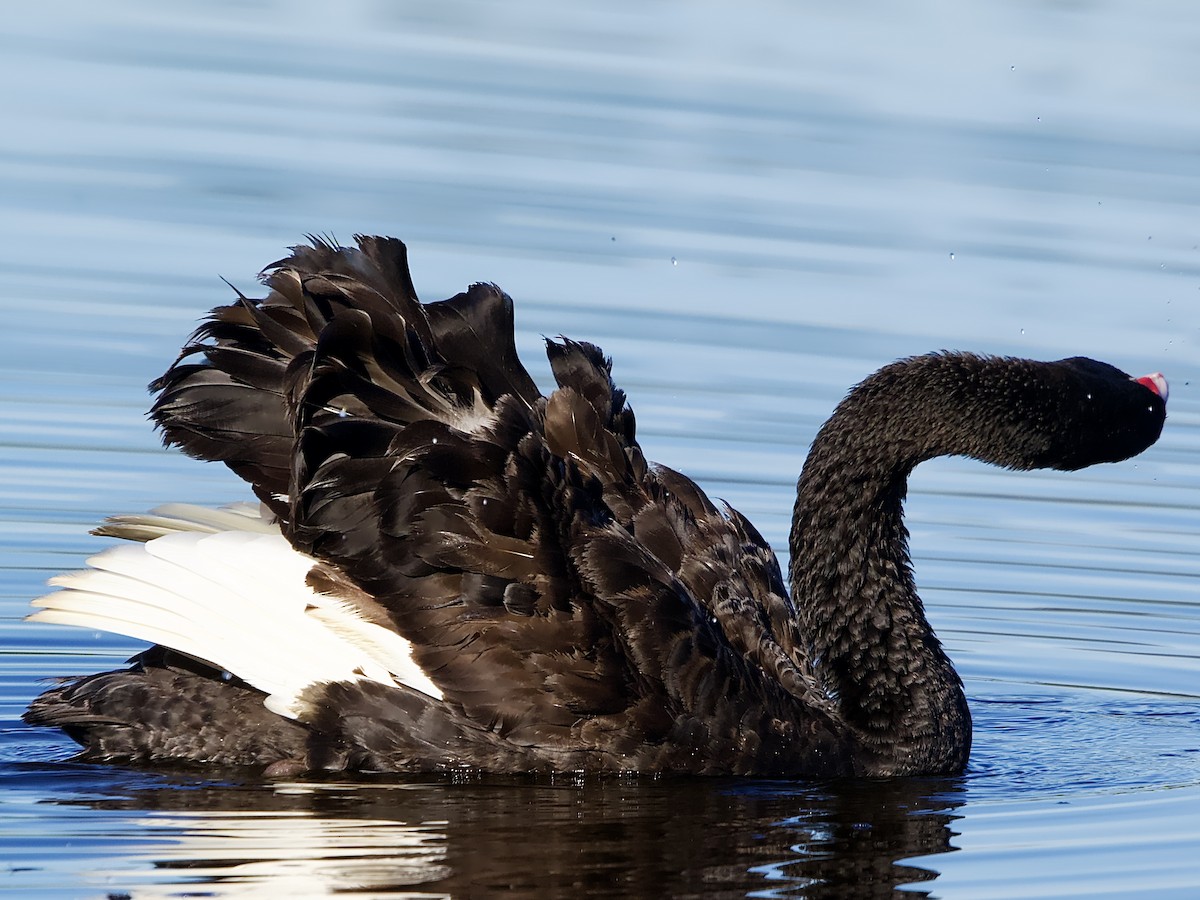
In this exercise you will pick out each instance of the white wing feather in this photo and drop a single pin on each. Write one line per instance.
(225, 587)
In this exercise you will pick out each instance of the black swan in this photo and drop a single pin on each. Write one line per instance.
(448, 570)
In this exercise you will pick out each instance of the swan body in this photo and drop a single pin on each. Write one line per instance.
(449, 570)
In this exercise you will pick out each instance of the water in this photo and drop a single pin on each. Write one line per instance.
(750, 208)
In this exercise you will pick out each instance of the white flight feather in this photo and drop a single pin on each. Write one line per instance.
(225, 587)
(172, 517)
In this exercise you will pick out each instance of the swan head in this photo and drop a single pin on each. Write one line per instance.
(1016, 413)
(1105, 415)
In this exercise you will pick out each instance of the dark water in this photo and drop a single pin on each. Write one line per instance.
(750, 207)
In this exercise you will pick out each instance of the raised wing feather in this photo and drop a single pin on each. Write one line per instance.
(563, 595)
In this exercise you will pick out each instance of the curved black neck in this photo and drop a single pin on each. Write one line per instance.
(869, 640)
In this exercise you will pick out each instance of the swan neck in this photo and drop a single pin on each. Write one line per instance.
(871, 645)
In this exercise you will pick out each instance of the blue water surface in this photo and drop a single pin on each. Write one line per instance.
(750, 207)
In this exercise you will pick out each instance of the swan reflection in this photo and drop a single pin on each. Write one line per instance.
(528, 838)
(296, 854)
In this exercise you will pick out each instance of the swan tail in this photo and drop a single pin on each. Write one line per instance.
(169, 708)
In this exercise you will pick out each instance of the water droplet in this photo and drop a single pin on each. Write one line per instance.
(435, 440)
(674, 261)
(1012, 68)
(1039, 118)
(1022, 331)
(952, 255)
